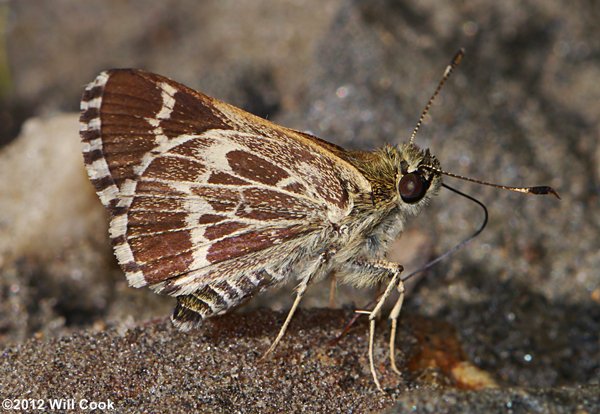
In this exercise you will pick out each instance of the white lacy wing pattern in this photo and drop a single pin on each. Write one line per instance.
(200, 190)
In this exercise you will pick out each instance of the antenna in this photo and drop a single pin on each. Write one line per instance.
(527, 190)
(538, 190)
(455, 61)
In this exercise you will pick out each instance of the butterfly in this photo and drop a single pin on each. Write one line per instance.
(213, 205)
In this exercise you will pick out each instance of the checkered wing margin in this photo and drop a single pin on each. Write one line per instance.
(200, 191)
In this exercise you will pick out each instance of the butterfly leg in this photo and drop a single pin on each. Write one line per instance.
(299, 294)
(332, 290)
(394, 318)
(301, 290)
(389, 269)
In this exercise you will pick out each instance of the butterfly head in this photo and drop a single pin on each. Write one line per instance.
(417, 177)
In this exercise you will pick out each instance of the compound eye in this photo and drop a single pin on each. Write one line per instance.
(412, 187)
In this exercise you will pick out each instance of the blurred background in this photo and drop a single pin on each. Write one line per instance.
(522, 109)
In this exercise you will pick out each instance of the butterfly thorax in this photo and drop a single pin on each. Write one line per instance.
(377, 218)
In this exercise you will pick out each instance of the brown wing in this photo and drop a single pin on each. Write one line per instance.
(192, 183)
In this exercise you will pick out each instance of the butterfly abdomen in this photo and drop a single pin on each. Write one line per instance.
(218, 297)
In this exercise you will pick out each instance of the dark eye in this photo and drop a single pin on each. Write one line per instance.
(412, 187)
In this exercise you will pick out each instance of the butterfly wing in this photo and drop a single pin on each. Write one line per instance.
(200, 190)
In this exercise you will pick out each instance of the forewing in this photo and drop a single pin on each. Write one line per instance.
(192, 182)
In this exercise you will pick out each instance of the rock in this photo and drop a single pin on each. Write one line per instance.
(57, 271)
(154, 367)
